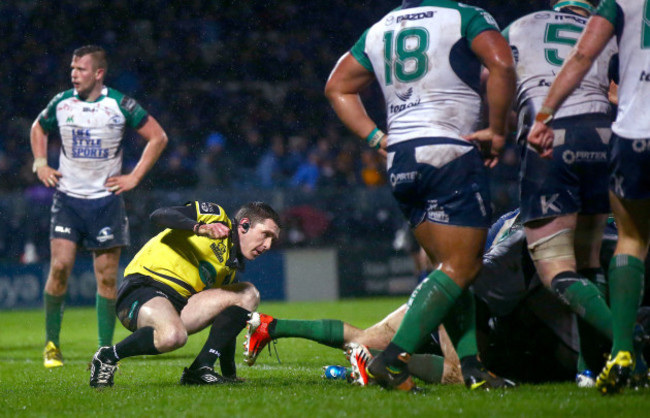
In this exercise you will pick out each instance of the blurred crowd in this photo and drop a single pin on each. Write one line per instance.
(238, 86)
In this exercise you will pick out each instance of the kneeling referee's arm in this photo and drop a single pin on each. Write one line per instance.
(176, 217)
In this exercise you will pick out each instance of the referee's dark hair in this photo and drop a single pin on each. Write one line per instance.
(257, 212)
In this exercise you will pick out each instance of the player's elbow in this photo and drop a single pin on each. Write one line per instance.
(332, 91)
(162, 139)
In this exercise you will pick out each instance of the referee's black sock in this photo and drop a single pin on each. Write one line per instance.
(225, 327)
(137, 344)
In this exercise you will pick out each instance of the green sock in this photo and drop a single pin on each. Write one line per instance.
(581, 365)
(428, 305)
(597, 277)
(626, 280)
(460, 324)
(53, 316)
(586, 301)
(426, 367)
(323, 331)
(592, 344)
(105, 320)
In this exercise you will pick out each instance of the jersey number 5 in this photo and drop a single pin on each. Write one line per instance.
(557, 34)
(409, 48)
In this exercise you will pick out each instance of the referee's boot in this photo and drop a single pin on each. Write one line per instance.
(102, 369)
(203, 376)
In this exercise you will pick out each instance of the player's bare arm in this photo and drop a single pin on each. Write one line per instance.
(592, 42)
(494, 52)
(156, 139)
(347, 79)
(38, 139)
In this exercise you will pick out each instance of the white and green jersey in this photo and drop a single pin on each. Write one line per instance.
(540, 43)
(420, 54)
(631, 19)
(91, 138)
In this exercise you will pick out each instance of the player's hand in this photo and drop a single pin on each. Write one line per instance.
(489, 143)
(214, 231)
(48, 176)
(121, 184)
(540, 138)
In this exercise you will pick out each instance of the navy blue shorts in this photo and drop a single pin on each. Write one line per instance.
(629, 167)
(94, 224)
(575, 179)
(135, 291)
(441, 180)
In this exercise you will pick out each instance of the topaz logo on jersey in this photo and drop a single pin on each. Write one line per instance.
(389, 20)
(105, 234)
(62, 229)
(399, 108)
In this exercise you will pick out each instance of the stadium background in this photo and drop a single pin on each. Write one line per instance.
(238, 88)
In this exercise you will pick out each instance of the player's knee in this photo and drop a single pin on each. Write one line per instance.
(59, 271)
(107, 283)
(171, 339)
(556, 247)
(562, 281)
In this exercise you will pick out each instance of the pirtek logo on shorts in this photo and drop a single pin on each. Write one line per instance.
(399, 178)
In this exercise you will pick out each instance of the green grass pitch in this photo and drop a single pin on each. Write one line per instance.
(148, 386)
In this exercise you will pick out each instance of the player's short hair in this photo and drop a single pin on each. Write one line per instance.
(589, 5)
(97, 52)
(257, 212)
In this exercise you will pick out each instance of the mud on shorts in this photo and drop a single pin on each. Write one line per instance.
(94, 224)
(135, 291)
(575, 179)
(441, 180)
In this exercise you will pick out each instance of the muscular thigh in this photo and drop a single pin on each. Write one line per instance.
(203, 307)
(440, 180)
(135, 292)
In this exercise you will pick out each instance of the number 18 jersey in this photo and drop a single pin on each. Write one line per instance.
(420, 54)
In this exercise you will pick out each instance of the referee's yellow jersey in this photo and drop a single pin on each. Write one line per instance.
(186, 262)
